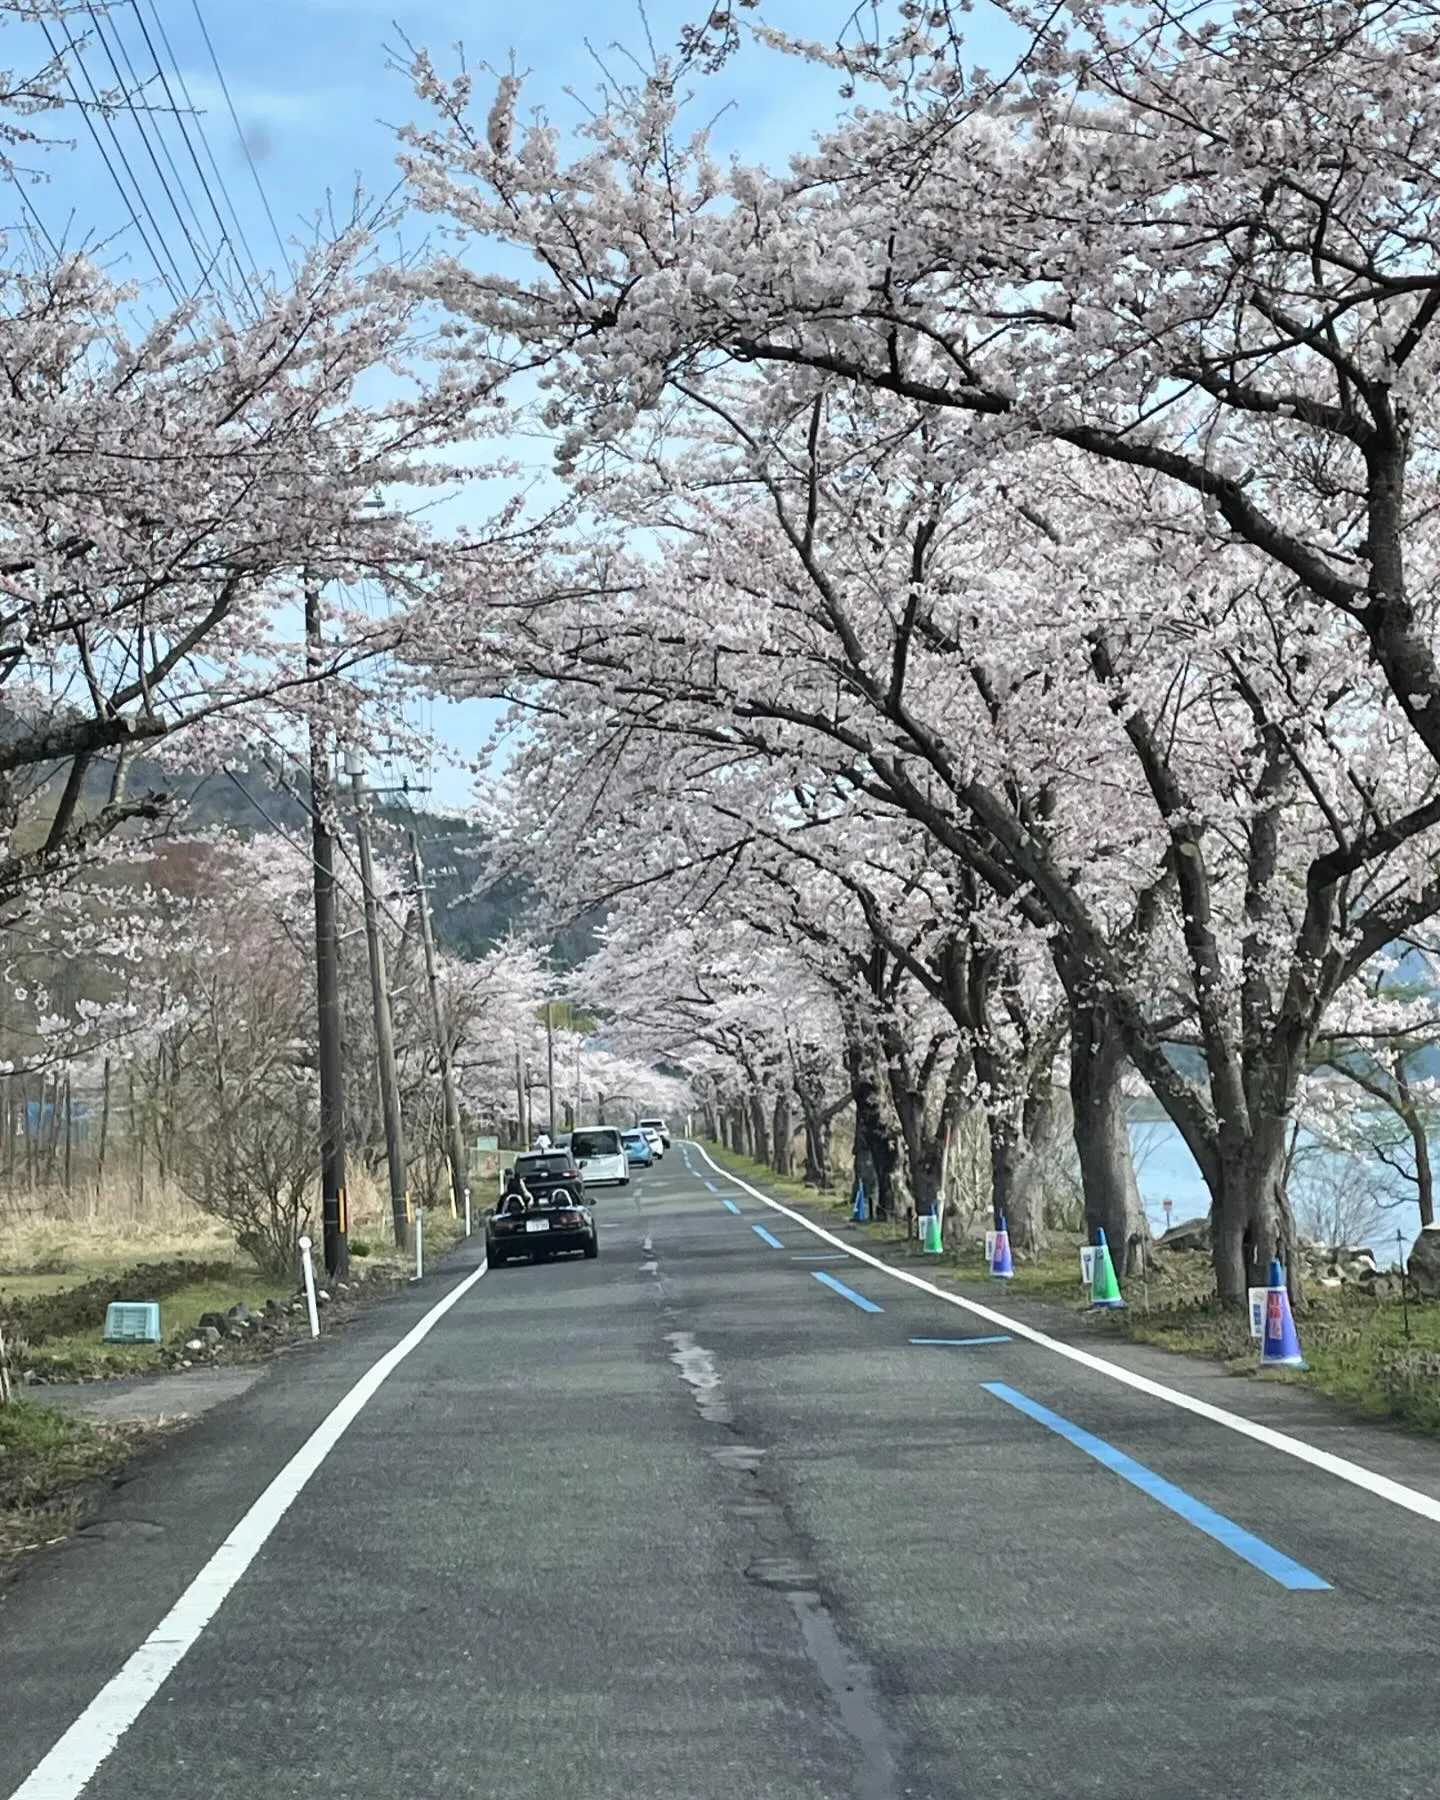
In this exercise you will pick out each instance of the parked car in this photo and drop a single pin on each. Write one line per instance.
(550, 1224)
(600, 1156)
(657, 1125)
(655, 1141)
(637, 1149)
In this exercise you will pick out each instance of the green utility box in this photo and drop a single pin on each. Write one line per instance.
(132, 1322)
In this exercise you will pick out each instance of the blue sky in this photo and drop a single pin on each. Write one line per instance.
(315, 102)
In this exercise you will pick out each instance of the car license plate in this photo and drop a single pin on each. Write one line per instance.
(537, 1224)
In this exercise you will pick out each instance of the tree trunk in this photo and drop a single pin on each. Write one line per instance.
(1419, 1144)
(817, 1144)
(1015, 1194)
(52, 1134)
(104, 1142)
(877, 1142)
(922, 1124)
(1424, 1174)
(10, 1132)
(759, 1128)
(1102, 1137)
(782, 1136)
(1251, 1218)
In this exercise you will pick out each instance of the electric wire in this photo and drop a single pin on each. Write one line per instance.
(250, 267)
(172, 280)
(204, 260)
(244, 141)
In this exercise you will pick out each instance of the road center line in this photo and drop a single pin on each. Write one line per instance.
(849, 1293)
(69, 1766)
(1383, 1487)
(1243, 1543)
(730, 1204)
(768, 1236)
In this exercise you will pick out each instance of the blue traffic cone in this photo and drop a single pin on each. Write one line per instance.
(862, 1205)
(931, 1242)
(1000, 1264)
(1104, 1288)
(1280, 1346)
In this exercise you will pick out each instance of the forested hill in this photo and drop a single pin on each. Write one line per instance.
(473, 906)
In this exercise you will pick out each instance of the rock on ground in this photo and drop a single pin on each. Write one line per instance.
(1424, 1261)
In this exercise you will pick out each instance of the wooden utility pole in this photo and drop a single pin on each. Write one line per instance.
(550, 1061)
(454, 1142)
(384, 1025)
(333, 1221)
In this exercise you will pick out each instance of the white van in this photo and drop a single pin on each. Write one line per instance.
(600, 1155)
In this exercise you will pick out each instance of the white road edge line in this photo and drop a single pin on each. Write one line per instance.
(70, 1765)
(1411, 1499)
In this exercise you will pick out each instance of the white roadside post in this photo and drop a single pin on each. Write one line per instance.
(419, 1243)
(307, 1263)
(467, 1212)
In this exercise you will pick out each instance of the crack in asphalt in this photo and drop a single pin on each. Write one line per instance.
(779, 1562)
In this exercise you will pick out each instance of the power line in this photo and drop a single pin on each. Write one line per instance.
(204, 262)
(87, 113)
(252, 264)
(244, 142)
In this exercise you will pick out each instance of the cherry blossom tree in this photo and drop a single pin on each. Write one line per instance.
(1202, 248)
(1089, 417)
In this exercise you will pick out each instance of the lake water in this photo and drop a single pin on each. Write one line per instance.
(1337, 1197)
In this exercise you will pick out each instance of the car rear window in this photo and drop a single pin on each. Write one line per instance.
(541, 1165)
(595, 1143)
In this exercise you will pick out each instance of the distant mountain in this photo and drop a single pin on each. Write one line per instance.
(474, 905)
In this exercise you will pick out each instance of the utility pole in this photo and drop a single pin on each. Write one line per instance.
(520, 1102)
(550, 1061)
(455, 1143)
(334, 1224)
(384, 1027)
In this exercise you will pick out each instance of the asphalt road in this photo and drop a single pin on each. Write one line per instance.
(689, 1523)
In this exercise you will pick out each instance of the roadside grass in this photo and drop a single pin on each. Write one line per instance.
(75, 1235)
(54, 1309)
(1354, 1343)
(79, 1353)
(1355, 1346)
(48, 1464)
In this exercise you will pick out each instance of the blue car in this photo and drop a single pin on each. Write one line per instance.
(638, 1153)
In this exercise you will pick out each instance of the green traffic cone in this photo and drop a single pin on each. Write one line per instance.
(930, 1243)
(1104, 1288)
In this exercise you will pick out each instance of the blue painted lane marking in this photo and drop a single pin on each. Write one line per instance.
(768, 1236)
(712, 1187)
(733, 1207)
(1002, 1339)
(1245, 1544)
(849, 1293)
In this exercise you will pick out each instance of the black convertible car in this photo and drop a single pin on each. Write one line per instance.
(541, 1225)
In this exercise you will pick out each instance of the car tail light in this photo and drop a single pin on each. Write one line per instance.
(569, 1218)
